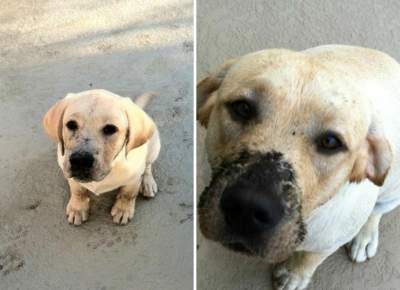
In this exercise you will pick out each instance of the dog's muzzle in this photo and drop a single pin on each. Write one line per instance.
(81, 163)
(252, 206)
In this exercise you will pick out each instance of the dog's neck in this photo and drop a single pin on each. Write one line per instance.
(332, 224)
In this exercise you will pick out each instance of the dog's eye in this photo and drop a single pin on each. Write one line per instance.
(72, 125)
(109, 129)
(242, 110)
(329, 142)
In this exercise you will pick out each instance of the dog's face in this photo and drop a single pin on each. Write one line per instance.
(284, 133)
(93, 128)
(94, 132)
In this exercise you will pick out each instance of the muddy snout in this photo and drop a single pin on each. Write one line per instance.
(250, 209)
(81, 164)
(251, 204)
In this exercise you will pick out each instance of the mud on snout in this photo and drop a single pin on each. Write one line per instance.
(252, 206)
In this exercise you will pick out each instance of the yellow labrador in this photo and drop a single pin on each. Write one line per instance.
(105, 142)
(304, 149)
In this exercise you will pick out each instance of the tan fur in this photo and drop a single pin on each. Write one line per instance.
(141, 126)
(78, 206)
(373, 160)
(206, 88)
(300, 266)
(52, 121)
(123, 160)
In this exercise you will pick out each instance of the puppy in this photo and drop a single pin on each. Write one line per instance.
(105, 142)
(304, 151)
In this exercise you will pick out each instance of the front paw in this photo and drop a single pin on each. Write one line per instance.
(364, 246)
(123, 211)
(149, 186)
(284, 279)
(77, 211)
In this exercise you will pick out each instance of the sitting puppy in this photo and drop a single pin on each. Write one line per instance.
(105, 142)
(304, 151)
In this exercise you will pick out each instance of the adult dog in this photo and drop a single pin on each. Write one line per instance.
(105, 142)
(304, 151)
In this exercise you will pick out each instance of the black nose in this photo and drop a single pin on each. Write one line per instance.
(81, 161)
(250, 210)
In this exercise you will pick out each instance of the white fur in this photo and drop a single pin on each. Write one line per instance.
(337, 222)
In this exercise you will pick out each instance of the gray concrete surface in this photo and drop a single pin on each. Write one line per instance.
(50, 48)
(228, 28)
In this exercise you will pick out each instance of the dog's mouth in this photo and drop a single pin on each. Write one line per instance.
(86, 176)
(82, 176)
(239, 247)
(273, 238)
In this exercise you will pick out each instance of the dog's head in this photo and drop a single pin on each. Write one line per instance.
(284, 133)
(93, 129)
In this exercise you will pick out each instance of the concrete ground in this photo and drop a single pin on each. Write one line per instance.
(50, 48)
(228, 28)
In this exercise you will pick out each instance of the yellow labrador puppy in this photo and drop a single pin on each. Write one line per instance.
(304, 150)
(105, 142)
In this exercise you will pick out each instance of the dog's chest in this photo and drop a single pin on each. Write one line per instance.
(336, 222)
(122, 173)
(126, 169)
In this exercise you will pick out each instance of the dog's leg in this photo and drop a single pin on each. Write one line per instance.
(78, 205)
(296, 272)
(124, 206)
(149, 186)
(365, 244)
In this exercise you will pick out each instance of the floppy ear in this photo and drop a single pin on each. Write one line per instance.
(140, 126)
(52, 120)
(207, 91)
(375, 158)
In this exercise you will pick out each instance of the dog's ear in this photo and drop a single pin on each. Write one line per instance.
(52, 120)
(374, 159)
(207, 91)
(140, 126)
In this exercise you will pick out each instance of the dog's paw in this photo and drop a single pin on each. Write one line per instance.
(149, 186)
(77, 211)
(122, 211)
(364, 246)
(284, 279)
